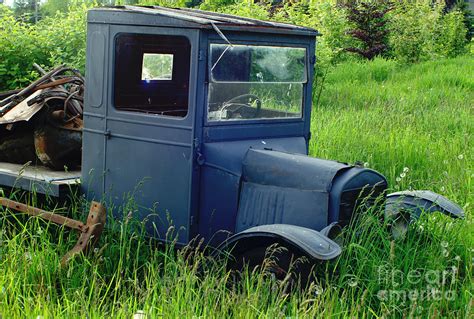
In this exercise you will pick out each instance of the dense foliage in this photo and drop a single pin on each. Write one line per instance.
(422, 31)
(51, 41)
(413, 31)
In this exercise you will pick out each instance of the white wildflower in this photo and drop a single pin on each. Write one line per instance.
(366, 164)
(140, 314)
(406, 169)
(318, 290)
(444, 244)
(457, 258)
(460, 156)
(382, 294)
(445, 252)
(442, 188)
(402, 175)
(352, 282)
(27, 256)
(398, 179)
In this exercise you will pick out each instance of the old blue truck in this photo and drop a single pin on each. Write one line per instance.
(202, 120)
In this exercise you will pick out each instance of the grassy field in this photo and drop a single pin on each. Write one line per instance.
(413, 123)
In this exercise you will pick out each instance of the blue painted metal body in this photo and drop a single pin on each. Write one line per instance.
(207, 178)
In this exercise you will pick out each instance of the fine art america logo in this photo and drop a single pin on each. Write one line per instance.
(430, 284)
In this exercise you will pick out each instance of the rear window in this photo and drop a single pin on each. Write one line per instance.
(152, 74)
(157, 66)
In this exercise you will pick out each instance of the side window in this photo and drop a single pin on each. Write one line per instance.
(152, 74)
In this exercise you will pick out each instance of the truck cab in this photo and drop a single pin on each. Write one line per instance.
(201, 121)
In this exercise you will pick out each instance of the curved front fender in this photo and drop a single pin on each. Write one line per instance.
(418, 202)
(312, 243)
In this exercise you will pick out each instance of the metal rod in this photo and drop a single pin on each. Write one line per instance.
(76, 106)
(9, 102)
(33, 211)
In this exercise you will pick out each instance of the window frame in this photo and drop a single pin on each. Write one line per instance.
(255, 42)
(189, 86)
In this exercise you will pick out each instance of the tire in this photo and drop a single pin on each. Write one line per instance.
(287, 265)
(18, 149)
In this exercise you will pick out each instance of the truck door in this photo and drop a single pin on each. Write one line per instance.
(149, 121)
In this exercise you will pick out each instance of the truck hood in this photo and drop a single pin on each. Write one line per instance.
(285, 188)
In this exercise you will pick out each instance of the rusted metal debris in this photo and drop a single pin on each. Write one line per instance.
(43, 122)
(89, 232)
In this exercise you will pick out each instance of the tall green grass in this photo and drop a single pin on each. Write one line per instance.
(380, 113)
(392, 116)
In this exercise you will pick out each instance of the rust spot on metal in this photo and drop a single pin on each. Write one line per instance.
(89, 233)
(47, 116)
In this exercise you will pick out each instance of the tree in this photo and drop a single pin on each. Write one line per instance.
(26, 10)
(370, 26)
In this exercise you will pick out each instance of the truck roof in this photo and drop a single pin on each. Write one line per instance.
(190, 18)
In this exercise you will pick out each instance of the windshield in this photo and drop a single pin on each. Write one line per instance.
(256, 82)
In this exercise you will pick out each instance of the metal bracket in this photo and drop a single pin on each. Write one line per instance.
(90, 232)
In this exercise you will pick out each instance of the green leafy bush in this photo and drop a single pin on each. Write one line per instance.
(20, 47)
(242, 8)
(420, 31)
(165, 3)
(52, 41)
(65, 37)
(326, 17)
(323, 15)
(450, 40)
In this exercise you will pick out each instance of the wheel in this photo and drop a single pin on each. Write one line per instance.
(287, 265)
(399, 223)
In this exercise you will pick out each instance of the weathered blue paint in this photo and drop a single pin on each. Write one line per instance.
(419, 202)
(205, 178)
(311, 242)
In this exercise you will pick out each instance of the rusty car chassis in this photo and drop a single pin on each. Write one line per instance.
(203, 119)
